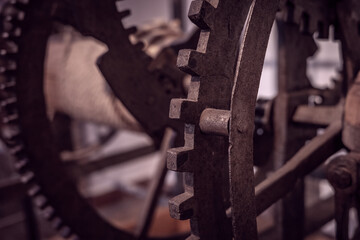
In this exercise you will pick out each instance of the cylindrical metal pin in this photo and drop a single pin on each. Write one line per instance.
(215, 121)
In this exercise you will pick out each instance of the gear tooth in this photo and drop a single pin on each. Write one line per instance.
(177, 159)
(5, 35)
(183, 109)
(12, 13)
(10, 118)
(57, 223)
(125, 13)
(10, 101)
(131, 30)
(20, 165)
(40, 201)
(200, 13)
(65, 232)
(34, 190)
(48, 213)
(10, 133)
(8, 85)
(189, 61)
(27, 177)
(16, 150)
(181, 207)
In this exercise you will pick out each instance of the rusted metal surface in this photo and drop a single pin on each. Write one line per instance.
(214, 121)
(250, 62)
(34, 147)
(319, 115)
(204, 156)
(219, 114)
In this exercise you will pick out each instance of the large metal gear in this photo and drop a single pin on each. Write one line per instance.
(207, 115)
(214, 66)
(26, 128)
(220, 196)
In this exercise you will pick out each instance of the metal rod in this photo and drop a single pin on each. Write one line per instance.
(305, 161)
(96, 165)
(155, 187)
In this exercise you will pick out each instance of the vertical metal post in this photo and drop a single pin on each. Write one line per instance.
(289, 138)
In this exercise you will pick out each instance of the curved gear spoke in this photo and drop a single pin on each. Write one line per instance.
(251, 58)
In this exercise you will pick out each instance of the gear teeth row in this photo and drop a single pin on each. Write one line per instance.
(27, 177)
(12, 15)
(125, 13)
(197, 63)
(308, 24)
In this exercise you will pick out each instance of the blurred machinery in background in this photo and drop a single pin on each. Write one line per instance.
(75, 81)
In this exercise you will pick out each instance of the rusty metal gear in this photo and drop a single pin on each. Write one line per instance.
(207, 113)
(214, 67)
(26, 27)
(220, 198)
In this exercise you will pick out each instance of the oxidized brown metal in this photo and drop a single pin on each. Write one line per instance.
(218, 114)
(24, 118)
(243, 100)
